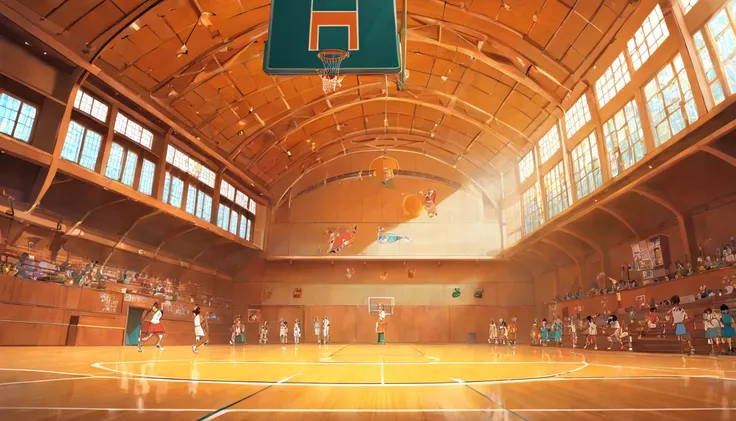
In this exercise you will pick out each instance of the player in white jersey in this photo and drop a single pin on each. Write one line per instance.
(200, 329)
(152, 327)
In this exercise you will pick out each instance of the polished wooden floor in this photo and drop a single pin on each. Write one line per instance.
(362, 382)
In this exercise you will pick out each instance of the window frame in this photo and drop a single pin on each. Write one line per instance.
(123, 133)
(142, 153)
(94, 98)
(80, 152)
(23, 102)
(596, 173)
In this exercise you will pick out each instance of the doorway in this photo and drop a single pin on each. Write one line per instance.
(133, 325)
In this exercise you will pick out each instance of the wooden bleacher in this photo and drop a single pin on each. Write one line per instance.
(652, 342)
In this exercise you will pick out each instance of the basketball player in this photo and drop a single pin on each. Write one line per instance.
(199, 330)
(152, 327)
(236, 330)
(297, 332)
(326, 330)
(316, 329)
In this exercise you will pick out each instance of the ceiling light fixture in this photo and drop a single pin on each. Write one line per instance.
(251, 110)
(240, 133)
(26, 43)
(134, 26)
(288, 153)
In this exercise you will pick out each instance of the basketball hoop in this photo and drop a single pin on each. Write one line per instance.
(330, 74)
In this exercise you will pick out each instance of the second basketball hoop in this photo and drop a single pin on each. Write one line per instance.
(330, 73)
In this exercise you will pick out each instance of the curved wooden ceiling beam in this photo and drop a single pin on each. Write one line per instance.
(359, 102)
(593, 244)
(510, 71)
(574, 259)
(377, 85)
(125, 234)
(357, 151)
(503, 34)
(719, 154)
(620, 219)
(656, 199)
(549, 261)
(397, 135)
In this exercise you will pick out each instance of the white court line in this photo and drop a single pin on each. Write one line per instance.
(382, 377)
(659, 368)
(29, 370)
(484, 382)
(363, 410)
(98, 365)
(47, 380)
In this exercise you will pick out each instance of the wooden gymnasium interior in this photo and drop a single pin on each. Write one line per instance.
(531, 159)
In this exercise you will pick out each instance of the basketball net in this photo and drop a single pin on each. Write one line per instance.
(330, 74)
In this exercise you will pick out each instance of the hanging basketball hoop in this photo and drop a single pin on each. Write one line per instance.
(330, 74)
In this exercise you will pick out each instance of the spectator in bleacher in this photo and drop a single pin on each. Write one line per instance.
(712, 326)
(650, 322)
(678, 320)
(727, 331)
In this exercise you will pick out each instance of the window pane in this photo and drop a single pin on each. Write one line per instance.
(233, 222)
(549, 144)
(647, 38)
(206, 207)
(223, 217)
(688, 4)
(533, 210)
(613, 80)
(252, 206)
(90, 150)
(227, 190)
(133, 131)
(191, 200)
(722, 27)
(148, 172)
(586, 166)
(666, 101)
(577, 116)
(167, 185)
(131, 161)
(555, 187)
(177, 192)
(526, 166)
(25, 123)
(247, 229)
(243, 227)
(241, 199)
(624, 138)
(9, 107)
(115, 162)
(73, 142)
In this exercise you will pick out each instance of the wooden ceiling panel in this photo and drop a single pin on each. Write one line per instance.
(602, 228)
(472, 59)
(643, 215)
(549, 18)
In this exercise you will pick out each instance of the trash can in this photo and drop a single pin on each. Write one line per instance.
(471, 338)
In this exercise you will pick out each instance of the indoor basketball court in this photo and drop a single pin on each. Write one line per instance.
(248, 210)
(359, 382)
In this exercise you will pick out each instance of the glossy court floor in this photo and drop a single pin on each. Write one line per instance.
(362, 382)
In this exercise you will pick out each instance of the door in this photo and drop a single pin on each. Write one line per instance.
(133, 325)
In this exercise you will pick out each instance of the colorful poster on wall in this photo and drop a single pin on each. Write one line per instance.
(297, 293)
(383, 275)
(267, 293)
(339, 238)
(430, 202)
(254, 315)
(390, 237)
(455, 292)
(411, 273)
(478, 293)
(349, 272)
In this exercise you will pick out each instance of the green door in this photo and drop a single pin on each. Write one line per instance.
(133, 326)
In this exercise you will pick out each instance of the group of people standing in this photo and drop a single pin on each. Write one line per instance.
(322, 328)
(501, 333)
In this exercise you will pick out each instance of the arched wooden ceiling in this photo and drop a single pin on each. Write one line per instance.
(483, 75)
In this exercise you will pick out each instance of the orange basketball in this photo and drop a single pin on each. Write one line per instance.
(413, 205)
